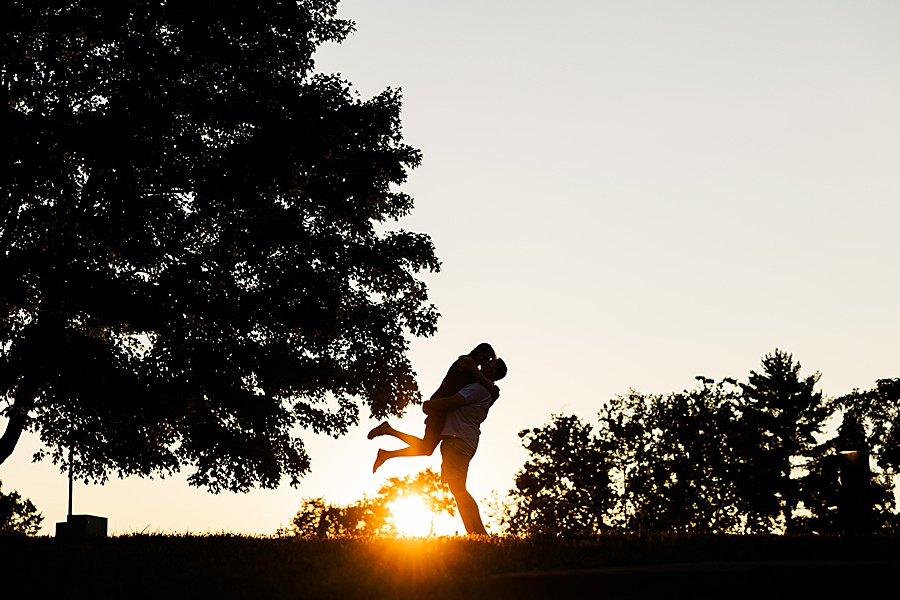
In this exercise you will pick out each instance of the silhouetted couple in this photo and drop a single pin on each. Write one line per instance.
(455, 413)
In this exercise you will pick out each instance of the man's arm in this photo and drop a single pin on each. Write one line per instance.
(471, 367)
(471, 394)
(443, 404)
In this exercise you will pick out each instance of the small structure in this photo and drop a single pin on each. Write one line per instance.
(79, 527)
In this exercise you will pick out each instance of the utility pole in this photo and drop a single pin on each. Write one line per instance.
(79, 527)
(70, 481)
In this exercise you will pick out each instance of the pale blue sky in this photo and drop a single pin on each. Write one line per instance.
(623, 194)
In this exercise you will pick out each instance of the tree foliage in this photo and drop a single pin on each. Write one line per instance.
(190, 269)
(878, 413)
(17, 516)
(672, 458)
(874, 418)
(425, 484)
(782, 412)
(724, 457)
(363, 518)
(564, 487)
(840, 491)
(370, 517)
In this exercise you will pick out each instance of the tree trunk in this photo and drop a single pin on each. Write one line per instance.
(18, 418)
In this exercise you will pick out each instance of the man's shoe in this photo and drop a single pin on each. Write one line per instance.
(380, 430)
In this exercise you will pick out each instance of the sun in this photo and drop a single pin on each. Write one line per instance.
(411, 517)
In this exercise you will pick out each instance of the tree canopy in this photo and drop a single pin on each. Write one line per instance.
(672, 458)
(564, 487)
(724, 457)
(191, 272)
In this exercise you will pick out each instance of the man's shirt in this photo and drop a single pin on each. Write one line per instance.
(465, 422)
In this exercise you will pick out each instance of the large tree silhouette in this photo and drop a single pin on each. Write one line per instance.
(781, 412)
(190, 270)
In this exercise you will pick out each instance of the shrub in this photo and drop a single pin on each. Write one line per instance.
(18, 516)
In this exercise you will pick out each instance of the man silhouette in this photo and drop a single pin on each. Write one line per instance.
(467, 410)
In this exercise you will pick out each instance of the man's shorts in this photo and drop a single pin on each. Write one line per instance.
(434, 425)
(456, 455)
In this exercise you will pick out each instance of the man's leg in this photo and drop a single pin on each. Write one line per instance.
(454, 471)
(468, 508)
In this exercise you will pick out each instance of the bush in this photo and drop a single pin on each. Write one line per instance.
(18, 517)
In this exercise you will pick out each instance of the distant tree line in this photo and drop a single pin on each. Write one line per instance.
(369, 516)
(724, 457)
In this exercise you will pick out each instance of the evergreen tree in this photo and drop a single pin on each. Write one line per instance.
(781, 412)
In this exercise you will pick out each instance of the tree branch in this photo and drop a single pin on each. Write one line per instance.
(18, 418)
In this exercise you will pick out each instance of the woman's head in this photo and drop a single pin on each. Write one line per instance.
(482, 352)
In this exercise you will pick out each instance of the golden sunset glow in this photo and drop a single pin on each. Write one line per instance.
(411, 517)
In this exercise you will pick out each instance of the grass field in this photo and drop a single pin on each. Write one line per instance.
(229, 566)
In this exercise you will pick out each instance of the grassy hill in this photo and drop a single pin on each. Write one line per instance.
(230, 566)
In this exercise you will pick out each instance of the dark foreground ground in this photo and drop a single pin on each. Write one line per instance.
(614, 566)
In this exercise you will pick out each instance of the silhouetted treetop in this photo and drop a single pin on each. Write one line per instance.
(190, 268)
(878, 412)
(782, 411)
(723, 457)
(564, 486)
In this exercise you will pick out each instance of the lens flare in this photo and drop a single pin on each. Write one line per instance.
(411, 517)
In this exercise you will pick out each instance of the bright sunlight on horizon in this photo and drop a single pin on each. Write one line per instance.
(412, 517)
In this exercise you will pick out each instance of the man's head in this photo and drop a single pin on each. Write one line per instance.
(494, 369)
(482, 353)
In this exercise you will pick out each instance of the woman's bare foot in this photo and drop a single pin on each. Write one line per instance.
(382, 429)
(380, 459)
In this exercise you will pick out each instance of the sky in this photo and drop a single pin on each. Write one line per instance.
(622, 195)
